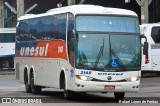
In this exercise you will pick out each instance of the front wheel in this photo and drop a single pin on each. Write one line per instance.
(119, 95)
(34, 88)
(67, 93)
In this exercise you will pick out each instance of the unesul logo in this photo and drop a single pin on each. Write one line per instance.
(34, 51)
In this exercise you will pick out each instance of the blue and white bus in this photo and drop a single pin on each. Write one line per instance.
(7, 48)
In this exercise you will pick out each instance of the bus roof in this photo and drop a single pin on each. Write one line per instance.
(7, 30)
(83, 9)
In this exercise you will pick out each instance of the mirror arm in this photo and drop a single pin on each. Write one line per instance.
(142, 36)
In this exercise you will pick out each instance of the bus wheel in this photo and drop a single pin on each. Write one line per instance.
(119, 95)
(27, 86)
(67, 93)
(34, 89)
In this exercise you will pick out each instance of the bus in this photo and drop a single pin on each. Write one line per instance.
(151, 62)
(73, 48)
(7, 48)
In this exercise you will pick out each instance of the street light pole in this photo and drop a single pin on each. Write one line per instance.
(2, 13)
(71, 2)
(144, 11)
(20, 8)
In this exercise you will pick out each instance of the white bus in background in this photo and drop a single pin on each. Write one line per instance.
(7, 48)
(151, 62)
(80, 48)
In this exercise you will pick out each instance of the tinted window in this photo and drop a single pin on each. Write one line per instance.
(1, 38)
(155, 34)
(55, 25)
(70, 42)
(40, 28)
(33, 29)
(24, 30)
(62, 26)
(7, 37)
(58, 27)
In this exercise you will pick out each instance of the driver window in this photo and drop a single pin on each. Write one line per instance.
(70, 39)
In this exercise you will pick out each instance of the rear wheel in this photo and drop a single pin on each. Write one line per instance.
(27, 86)
(119, 95)
(34, 88)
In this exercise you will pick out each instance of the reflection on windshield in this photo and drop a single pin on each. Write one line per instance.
(89, 49)
(93, 51)
(126, 47)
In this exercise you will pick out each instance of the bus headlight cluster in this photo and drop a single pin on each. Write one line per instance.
(132, 79)
(85, 78)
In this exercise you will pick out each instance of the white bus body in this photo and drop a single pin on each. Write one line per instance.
(7, 48)
(152, 32)
(76, 61)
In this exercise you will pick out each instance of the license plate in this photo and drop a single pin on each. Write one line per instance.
(109, 87)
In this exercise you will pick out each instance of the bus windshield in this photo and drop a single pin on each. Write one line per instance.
(107, 51)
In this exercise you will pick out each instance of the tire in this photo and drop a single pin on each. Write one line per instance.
(119, 95)
(67, 93)
(34, 88)
(27, 86)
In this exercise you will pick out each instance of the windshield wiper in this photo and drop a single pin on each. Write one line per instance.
(121, 63)
(99, 55)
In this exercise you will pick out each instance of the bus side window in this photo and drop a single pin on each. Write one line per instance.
(20, 31)
(155, 34)
(54, 29)
(33, 29)
(47, 27)
(39, 29)
(62, 26)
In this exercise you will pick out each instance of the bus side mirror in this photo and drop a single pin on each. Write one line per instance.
(145, 48)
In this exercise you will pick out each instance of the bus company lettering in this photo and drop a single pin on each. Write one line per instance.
(38, 51)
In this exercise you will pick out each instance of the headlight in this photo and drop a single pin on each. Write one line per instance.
(85, 78)
(132, 79)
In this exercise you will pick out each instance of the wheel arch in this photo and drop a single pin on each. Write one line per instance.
(61, 79)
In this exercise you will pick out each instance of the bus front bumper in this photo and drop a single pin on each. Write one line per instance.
(93, 86)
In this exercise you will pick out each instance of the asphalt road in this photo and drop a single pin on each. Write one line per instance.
(149, 93)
